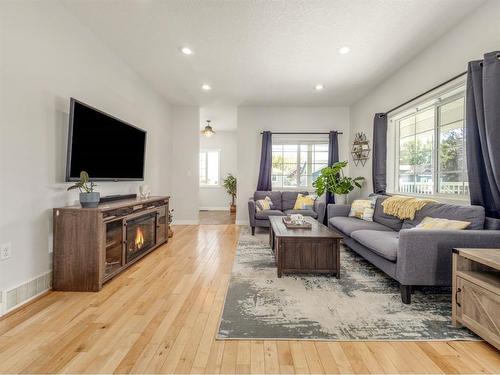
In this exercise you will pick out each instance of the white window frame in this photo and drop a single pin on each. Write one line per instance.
(299, 142)
(433, 100)
(206, 150)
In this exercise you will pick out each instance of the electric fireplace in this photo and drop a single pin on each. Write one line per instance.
(140, 235)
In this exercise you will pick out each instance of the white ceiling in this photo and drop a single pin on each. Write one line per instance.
(223, 118)
(268, 52)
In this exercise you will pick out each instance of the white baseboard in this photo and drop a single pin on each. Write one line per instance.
(185, 222)
(242, 222)
(225, 208)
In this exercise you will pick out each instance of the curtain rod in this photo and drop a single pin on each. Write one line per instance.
(425, 93)
(302, 133)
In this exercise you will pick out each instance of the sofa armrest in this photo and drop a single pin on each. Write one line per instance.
(251, 212)
(424, 256)
(338, 210)
(319, 208)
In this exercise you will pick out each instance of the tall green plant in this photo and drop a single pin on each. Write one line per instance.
(229, 184)
(332, 180)
(84, 185)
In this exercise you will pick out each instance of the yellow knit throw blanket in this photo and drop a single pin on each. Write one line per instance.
(404, 207)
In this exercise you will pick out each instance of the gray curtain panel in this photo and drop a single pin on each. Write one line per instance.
(379, 164)
(264, 182)
(483, 132)
(333, 157)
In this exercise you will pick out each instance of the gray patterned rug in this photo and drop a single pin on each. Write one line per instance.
(364, 304)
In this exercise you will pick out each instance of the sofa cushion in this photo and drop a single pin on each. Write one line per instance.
(388, 220)
(288, 199)
(473, 214)
(310, 213)
(347, 225)
(274, 195)
(382, 243)
(266, 213)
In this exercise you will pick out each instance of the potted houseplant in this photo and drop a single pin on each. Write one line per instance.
(88, 197)
(229, 184)
(333, 180)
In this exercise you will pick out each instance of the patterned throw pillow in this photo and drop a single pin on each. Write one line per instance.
(264, 204)
(363, 209)
(436, 223)
(304, 202)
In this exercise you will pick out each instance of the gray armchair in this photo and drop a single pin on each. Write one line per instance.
(283, 203)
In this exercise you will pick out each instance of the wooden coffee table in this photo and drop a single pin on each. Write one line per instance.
(315, 250)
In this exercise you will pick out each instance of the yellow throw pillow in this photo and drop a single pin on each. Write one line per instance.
(363, 209)
(436, 223)
(304, 202)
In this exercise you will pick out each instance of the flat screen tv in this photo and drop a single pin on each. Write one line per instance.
(107, 148)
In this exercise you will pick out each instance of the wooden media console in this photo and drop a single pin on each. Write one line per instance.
(92, 245)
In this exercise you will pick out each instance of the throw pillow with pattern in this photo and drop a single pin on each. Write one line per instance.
(304, 202)
(437, 223)
(363, 209)
(264, 204)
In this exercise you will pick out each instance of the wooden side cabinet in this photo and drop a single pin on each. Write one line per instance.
(92, 245)
(476, 292)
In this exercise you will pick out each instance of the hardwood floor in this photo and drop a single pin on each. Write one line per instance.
(217, 217)
(161, 315)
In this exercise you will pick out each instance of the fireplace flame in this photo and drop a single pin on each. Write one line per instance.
(139, 238)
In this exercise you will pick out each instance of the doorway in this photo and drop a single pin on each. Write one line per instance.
(217, 165)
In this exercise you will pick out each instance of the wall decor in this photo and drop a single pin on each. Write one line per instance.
(360, 150)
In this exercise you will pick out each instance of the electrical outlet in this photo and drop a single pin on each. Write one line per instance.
(5, 251)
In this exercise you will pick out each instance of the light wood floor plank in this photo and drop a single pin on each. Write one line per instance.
(257, 364)
(162, 315)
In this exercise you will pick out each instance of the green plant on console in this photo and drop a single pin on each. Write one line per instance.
(332, 180)
(84, 185)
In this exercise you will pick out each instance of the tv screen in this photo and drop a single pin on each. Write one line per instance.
(107, 148)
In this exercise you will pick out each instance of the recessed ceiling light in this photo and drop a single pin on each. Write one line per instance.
(344, 50)
(186, 50)
(206, 87)
(319, 87)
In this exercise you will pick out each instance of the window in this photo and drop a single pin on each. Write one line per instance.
(209, 167)
(297, 164)
(430, 145)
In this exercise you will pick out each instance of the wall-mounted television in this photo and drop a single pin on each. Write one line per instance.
(108, 148)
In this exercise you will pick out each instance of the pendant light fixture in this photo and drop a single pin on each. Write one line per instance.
(208, 131)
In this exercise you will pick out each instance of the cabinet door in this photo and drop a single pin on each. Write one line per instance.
(114, 259)
(161, 224)
(481, 311)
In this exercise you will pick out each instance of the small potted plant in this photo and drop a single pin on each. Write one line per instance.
(88, 197)
(229, 184)
(332, 180)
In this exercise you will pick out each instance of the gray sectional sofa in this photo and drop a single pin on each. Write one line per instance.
(283, 203)
(414, 256)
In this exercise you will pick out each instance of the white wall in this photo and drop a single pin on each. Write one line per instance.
(448, 56)
(47, 57)
(253, 120)
(216, 197)
(184, 162)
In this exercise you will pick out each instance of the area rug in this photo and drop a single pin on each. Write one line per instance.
(364, 304)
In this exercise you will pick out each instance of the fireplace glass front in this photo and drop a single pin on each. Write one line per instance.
(141, 235)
